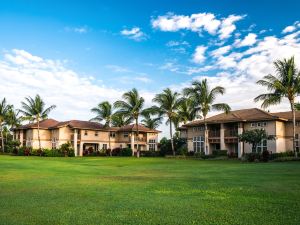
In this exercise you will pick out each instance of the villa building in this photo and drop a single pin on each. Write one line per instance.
(223, 130)
(86, 135)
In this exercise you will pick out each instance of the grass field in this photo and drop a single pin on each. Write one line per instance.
(36, 190)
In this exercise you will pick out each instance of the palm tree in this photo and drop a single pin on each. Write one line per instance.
(284, 84)
(4, 107)
(168, 102)
(187, 110)
(131, 107)
(120, 120)
(34, 110)
(204, 98)
(151, 123)
(13, 119)
(103, 111)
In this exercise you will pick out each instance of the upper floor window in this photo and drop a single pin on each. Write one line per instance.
(259, 124)
(298, 123)
(126, 134)
(112, 134)
(151, 140)
(195, 129)
(96, 133)
(85, 133)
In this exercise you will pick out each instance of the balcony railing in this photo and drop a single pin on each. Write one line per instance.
(140, 139)
(231, 133)
(78, 137)
(214, 134)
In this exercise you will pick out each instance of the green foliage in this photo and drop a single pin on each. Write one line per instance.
(150, 153)
(220, 153)
(67, 149)
(252, 157)
(12, 146)
(166, 147)
(254, 137)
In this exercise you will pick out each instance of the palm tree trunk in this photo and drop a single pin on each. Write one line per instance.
(171, 136)
(294, 126)
(205, 136)
(137, 140)
(2, 139)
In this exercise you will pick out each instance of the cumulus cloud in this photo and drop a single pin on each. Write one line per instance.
(199, 55)
(197, 23)
(23, 74)
(248, 40)
(134, 33)
(221, 51)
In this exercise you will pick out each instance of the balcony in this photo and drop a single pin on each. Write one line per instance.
(78, 137)
(141, 139)
(231, 136)
(214, 136)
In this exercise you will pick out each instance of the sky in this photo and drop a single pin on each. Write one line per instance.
(76, 54)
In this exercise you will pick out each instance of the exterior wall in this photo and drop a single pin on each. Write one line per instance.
(191, 132)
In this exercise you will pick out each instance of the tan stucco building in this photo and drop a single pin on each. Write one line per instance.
(223, 130)
(86, 135)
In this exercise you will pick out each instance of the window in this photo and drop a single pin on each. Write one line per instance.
(104, 147)
(298, 123)
(125, 134)
(96, 133)
(85, 133)
(112, 134)
(198, 144)
(262, 146)
(195, 129)
(259, 124)
(152, 144)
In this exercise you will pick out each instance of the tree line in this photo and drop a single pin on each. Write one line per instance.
(177, 108)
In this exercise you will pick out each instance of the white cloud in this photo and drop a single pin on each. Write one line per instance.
(134, 33)
(289, 29)
(228, 26)
(177, 43)
(171, 66)
(197, 23)
(193, 70)
(80, 30)
(249, 40)
(221, 51)
(199, 55)
(23, 74)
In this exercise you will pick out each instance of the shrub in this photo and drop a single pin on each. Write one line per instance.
(126, 152)
(281, 154)
(11, 146)
(265, 156)
(286, 159)
(182, 150)
(190, 153)
(116, 152)
(67, 150)
(251, 157)
(150, 153)
(220, 153)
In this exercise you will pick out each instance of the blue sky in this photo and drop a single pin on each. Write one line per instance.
(101, 49)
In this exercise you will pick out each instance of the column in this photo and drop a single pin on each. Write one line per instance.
(240, 144)
(75, 137)
(132, 143)
(21, 137)
(222, 137)
(81, 149)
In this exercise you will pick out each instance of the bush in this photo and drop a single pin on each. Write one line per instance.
(286, 159)
(150, 153)
(182, 150)
(67, 150)
(281, 154)
(220, 153)
(253, 156)
(126, 152)
(265, 156)
(232, 155)
(12, 146)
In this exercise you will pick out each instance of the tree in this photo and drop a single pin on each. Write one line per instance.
(13, 119)
(168, 102)
(120, 120)
(254, 137)
(150, 122)
(34, 109)
(131, 107)
(284, 84)
(187, 110)
(104, 112)
(4, 108)
(204, 98)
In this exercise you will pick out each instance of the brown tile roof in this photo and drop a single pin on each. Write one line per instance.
(133, 127)
(80, 124)
(287, 115)
(253, 114)
(44, 124)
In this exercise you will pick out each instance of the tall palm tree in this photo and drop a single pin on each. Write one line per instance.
(4, 107)
(104, 112)
(187, 110)
(284, 84)
(150, 122)
(131, 107)
(120, 120)
(204, 97)
(34, 109)
(168, 102)
(13, 119)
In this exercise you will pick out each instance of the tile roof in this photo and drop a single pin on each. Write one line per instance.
(80, 124)
(287, 115)
(44, 124)
(253, 114)
(133, 127)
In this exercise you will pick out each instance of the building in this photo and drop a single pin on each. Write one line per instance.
(223, 130)
(85, 135)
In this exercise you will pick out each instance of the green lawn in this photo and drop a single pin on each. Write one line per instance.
(41, 191)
